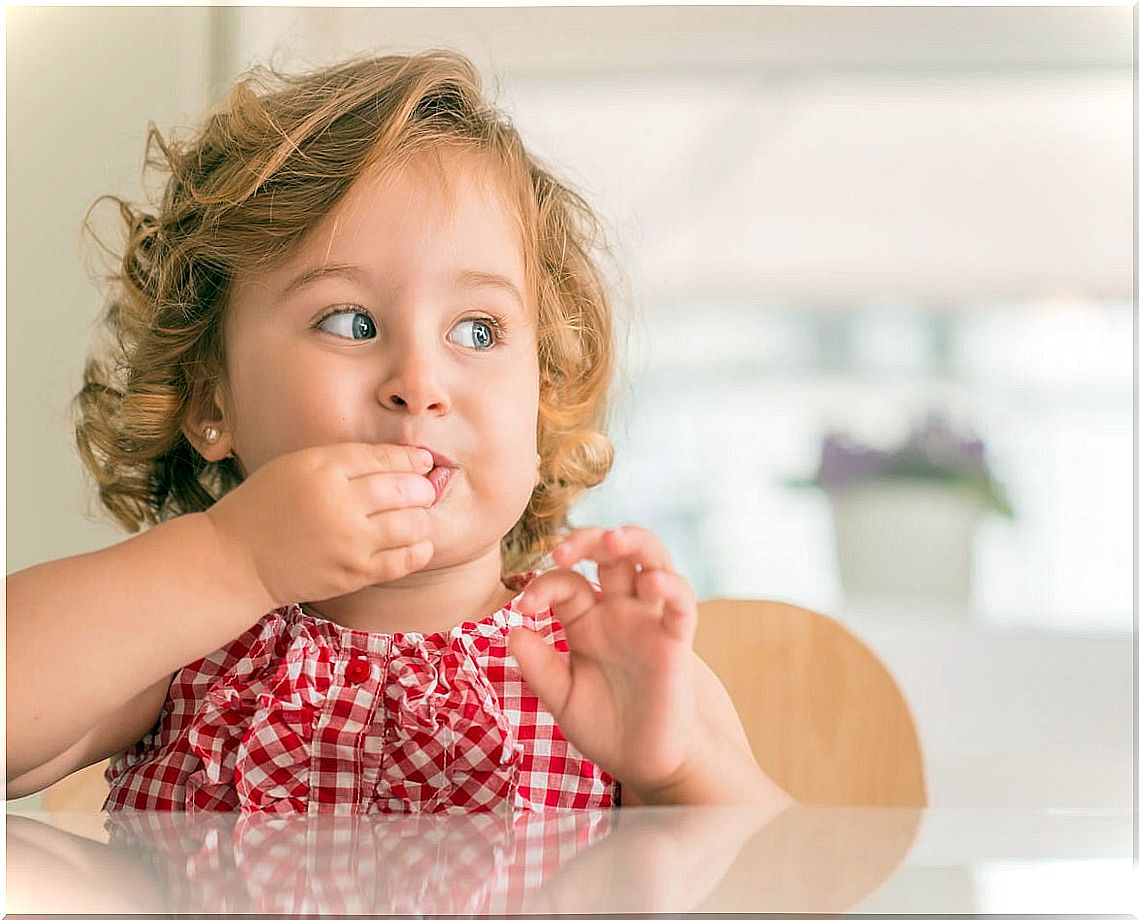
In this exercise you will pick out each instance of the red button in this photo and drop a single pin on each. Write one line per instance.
(359, 670)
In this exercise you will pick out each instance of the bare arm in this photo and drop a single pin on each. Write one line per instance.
(92, 639)
(111, 735)
(729, 774)
(91, 635)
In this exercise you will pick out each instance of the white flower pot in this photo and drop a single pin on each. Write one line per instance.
(906, 539)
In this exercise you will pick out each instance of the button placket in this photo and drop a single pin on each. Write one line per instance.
(358, 669)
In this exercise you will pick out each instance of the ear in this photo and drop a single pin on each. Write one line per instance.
(208, 429)
(537, 469)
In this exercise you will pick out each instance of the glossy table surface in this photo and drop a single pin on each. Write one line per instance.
(671, 860)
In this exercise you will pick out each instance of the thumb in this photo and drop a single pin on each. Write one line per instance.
(543, 668)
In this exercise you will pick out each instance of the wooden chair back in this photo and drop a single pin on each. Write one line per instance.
(825, 718)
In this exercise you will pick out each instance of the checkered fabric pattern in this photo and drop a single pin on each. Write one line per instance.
(301, 715)
(322, 865)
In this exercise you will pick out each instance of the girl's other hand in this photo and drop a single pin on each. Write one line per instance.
(326, 521)
(627, 696)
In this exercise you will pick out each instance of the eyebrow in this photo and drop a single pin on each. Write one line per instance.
(472, 279)
(467, 279)
(312, 275)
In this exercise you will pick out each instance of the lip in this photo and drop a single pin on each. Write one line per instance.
(437, 458)
(440, 477)
(443, 470)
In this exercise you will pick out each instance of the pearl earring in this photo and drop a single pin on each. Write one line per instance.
(210, 433)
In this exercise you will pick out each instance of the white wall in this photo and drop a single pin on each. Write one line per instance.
(82, 83)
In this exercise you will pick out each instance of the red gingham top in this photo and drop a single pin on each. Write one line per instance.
(299, 714)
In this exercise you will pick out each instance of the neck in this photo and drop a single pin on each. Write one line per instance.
(428, 601)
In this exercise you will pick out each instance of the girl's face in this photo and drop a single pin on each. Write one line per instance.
(405, 318)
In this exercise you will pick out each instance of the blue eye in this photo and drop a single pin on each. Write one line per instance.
(352, 324)
(484, 332)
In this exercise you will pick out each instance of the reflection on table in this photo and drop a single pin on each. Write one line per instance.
(802, 859)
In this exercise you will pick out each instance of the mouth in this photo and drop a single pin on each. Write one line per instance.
(438, 458)
(440, 477)
(441, 473)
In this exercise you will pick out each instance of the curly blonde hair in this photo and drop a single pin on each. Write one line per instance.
(242, 193)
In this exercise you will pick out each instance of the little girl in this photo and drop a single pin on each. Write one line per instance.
(360, 371)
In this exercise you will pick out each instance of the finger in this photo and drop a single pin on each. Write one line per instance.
(572, 548)
(543, 667)
(617, 579)
(617, 576)
(569, 593)
(679, 611)
(366, 459)
(392, 563)
(398, 527)
(609, 547)
(379, 492)
(630, 542)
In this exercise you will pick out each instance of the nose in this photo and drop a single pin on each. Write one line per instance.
(415, 383)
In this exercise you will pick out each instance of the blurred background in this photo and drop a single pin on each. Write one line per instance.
(902, 234)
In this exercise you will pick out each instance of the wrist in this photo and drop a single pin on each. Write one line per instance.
(233, 564)
(719, 772)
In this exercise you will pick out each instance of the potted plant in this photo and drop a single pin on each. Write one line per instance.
(905, 518)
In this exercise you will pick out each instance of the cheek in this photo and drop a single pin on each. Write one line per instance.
(507, 428)
(293, 408)
(520, 413)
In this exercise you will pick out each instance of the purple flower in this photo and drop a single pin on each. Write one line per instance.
(844, 460)
(934, 449)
